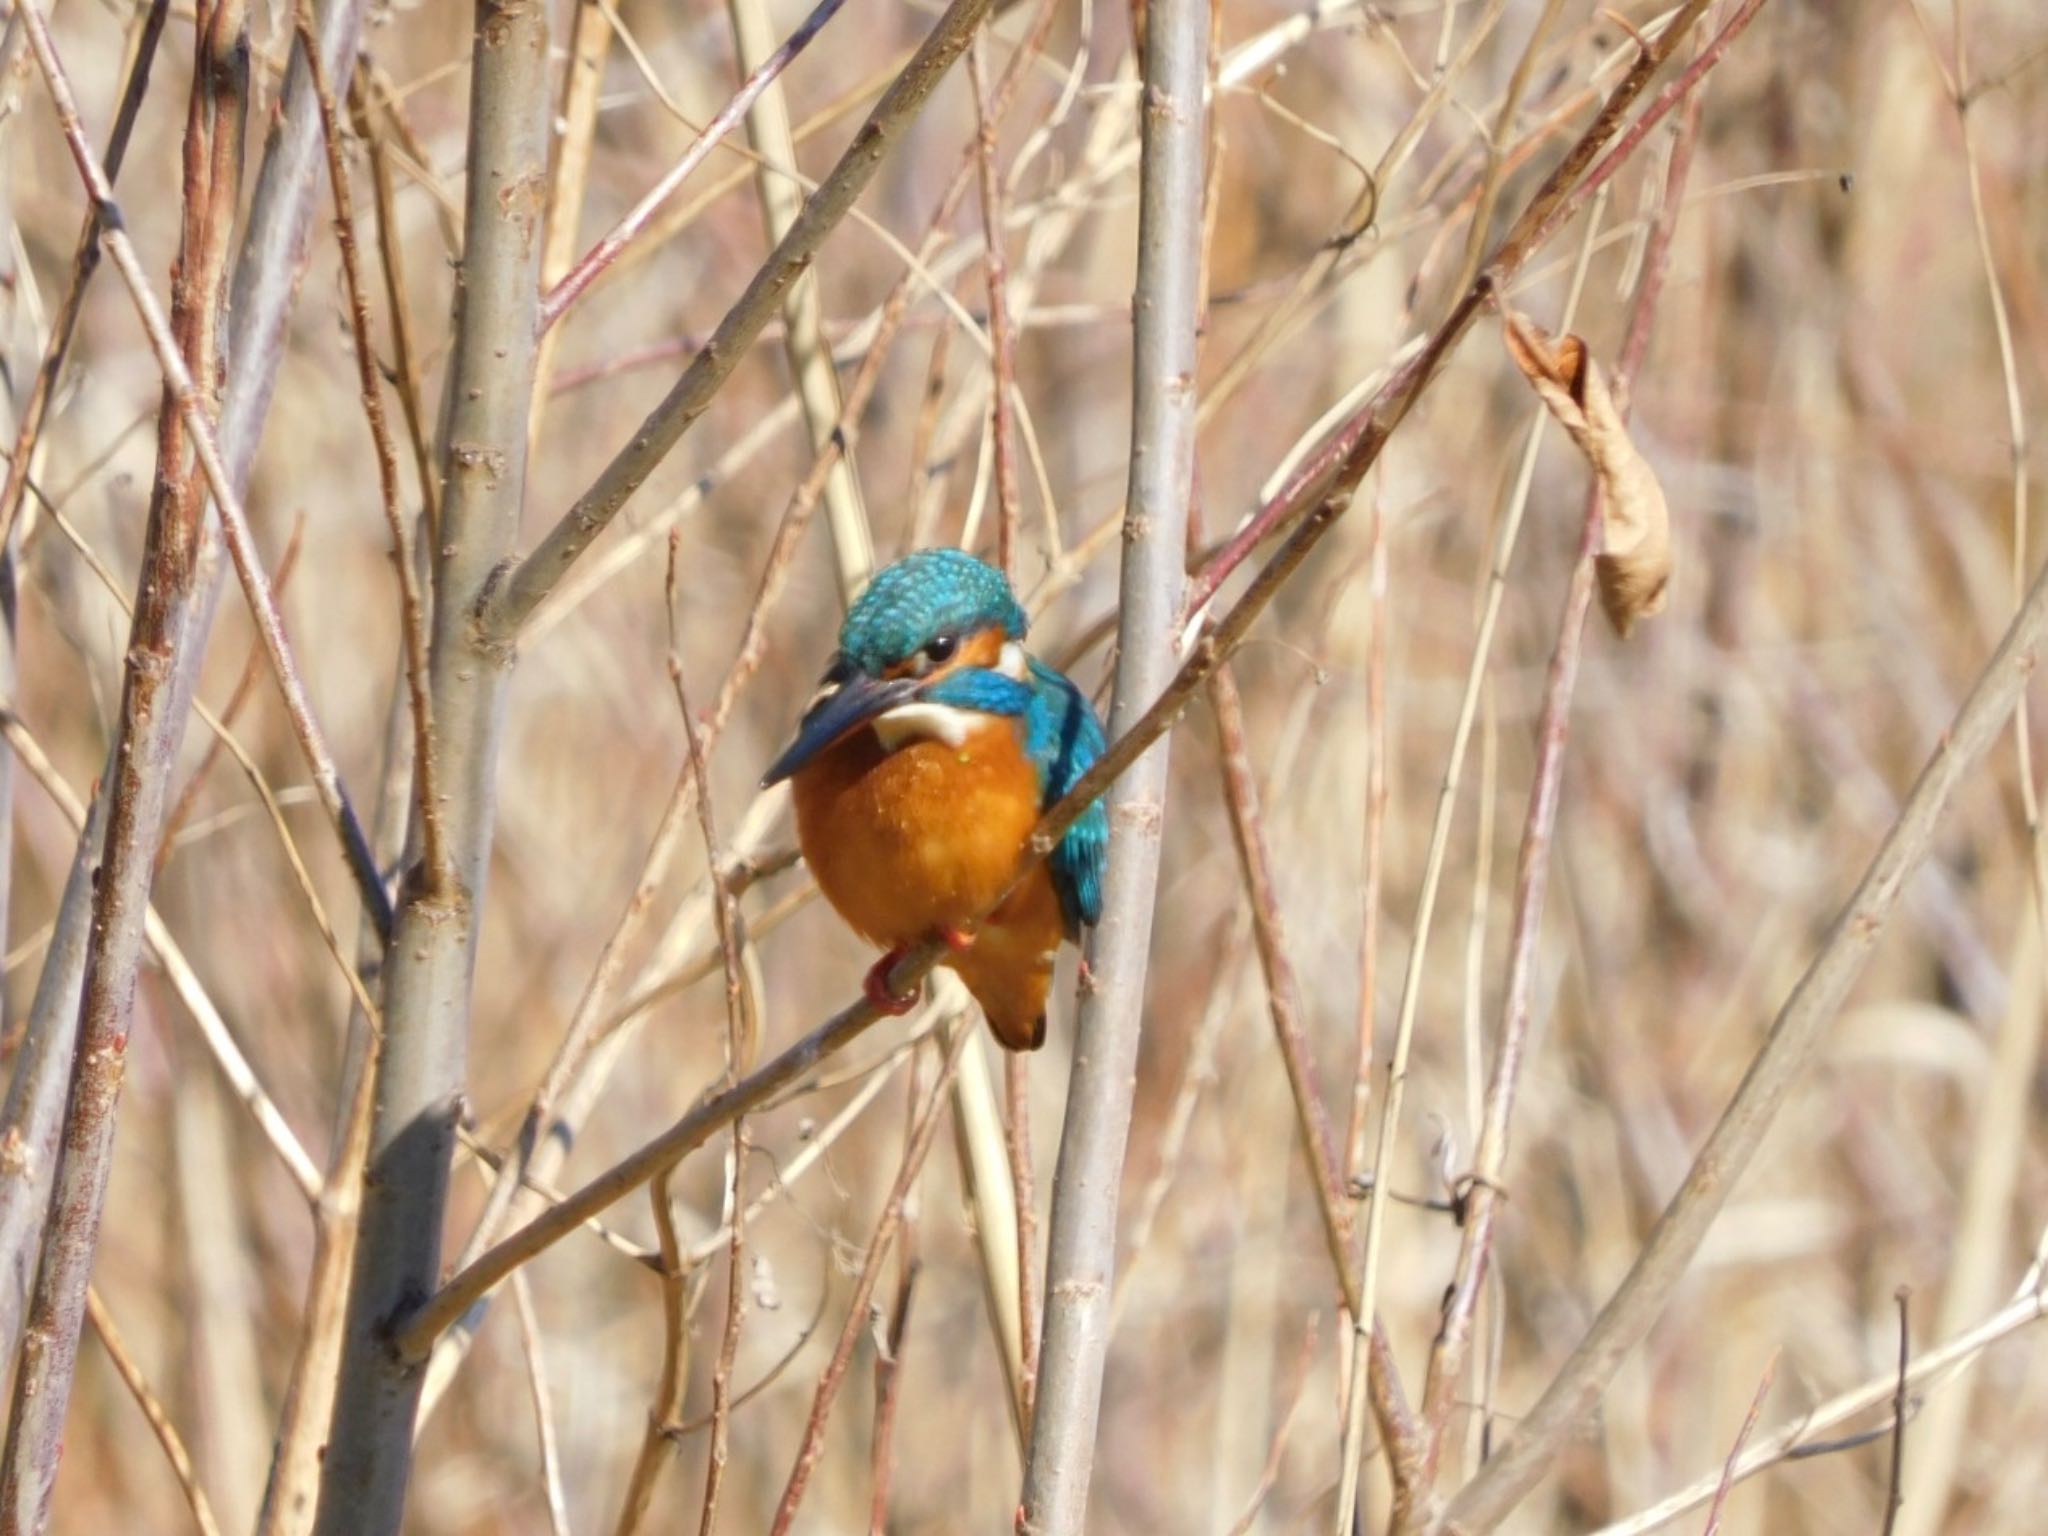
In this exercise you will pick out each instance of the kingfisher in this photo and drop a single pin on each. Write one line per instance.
(933, 745)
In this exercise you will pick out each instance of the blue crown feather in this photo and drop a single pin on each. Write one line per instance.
(928, 593)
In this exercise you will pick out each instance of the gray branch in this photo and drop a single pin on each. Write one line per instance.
(1081, 1253)
(428, 965)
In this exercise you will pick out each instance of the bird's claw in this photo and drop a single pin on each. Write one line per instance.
(886, 999)
(958, 940)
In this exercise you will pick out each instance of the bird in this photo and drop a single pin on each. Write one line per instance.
(933, 745)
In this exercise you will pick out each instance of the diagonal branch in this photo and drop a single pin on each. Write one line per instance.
(521, 589)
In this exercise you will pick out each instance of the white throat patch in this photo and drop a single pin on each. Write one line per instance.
(926, 721)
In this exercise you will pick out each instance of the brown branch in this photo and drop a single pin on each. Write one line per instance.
(1756, 1404)
(412, 606)
(151, 724)
(741, 1035)
(813, 1443)
(1895, 1481)
(1001, 337)
(1468, 1277)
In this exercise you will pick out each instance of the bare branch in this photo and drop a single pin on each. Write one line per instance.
(515, 597)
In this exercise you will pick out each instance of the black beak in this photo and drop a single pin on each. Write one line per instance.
(851, 704)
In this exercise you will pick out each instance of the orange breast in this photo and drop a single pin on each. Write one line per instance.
(928, 835)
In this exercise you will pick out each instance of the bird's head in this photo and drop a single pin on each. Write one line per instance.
(932, 615)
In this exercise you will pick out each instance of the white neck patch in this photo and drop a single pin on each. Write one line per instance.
(925, 721)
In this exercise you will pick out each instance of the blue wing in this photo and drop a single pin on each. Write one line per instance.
(1064, 738)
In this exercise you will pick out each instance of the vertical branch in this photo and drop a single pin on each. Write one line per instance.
(1447, 1358)
(429, 961)
(150, 727)
(1002, 342)
(1081, 1254)
(741, 1034)
(412, 608)
(31, 1116)
(265, 284)
(803, 342)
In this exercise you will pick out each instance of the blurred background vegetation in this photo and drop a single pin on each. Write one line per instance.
(1827, 402)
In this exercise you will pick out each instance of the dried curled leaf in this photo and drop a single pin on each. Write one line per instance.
(1634, 564)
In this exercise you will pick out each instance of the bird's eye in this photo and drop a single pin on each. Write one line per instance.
(940, 649)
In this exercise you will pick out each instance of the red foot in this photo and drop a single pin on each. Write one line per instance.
(875, 985)
(958, 940)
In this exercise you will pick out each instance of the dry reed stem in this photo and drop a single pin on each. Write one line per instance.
(1756, 1404)
(160, 1425)
(1482, 1203)
(673, 1381)
(543, 1413)
(590, 46)
(1800, 1435)
(780, 192)
(1002, 339)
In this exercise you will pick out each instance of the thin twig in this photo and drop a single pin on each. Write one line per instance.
(152, 1407)
(920, 1145)
(543, 1412)
(741, 1036)
(1895, 1481)
(1756, 1404)
(803, 341)
(1447, 1359)
(412, 606)
(1003, 361)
